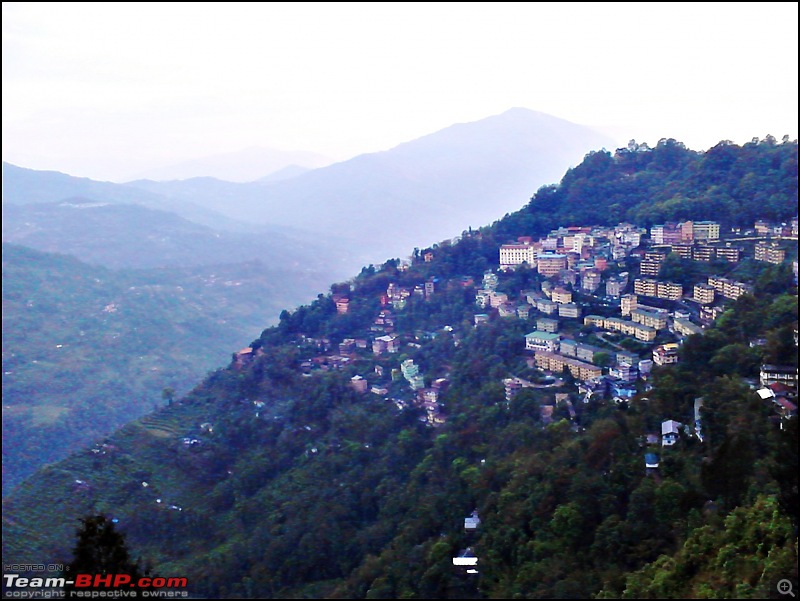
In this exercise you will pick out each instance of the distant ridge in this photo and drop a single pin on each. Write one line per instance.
(245, 165)
(419, 192)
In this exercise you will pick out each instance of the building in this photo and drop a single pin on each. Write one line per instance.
(614, 286)
(645, 287)
(670, 432)
(514, 255)
(669, 290)
(782, 374)
(546, 306)
(544, 324)
(668, 233)
(624, 372)
(706, 230)
(542, 341)
(628, 303)
(762, 228)
(653, 319)
(684, 327)
(590, 280)
(385, 344)
(557, 363)
(342, 305)
(630, 328)
(550, 264)
(665, 354)
(728, 288)
(703, 253)
(770, 252)
(359, 384)
(704, 294)
(597, 321)
(569, 311)
(490, 281)
(731, 254)
(561, 295)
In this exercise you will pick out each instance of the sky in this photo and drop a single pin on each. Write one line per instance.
(109, 90)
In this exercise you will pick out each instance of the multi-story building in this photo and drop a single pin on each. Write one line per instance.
(684, 327)
(683, 250)
(704, 294)
(569, 310)
(783, 374)
(561, 295)
(542, 341)
(594, 320)
(703, 253)
(627, 303)
(590, 280)
(550, 264)
(543, 324)
(557, 363)
(665, 354)
(769, 252)
(668, 233)
(653, 319)
(687, 231)
(514, 255)
(645, 287)
(546, 306)
(706, 230)
(614, 287)
(630, 328)
(763, 228)
(731, 254)
(669, 290)
(728, 288)
(651, 264)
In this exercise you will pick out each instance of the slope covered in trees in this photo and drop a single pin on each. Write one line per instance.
(277, 478)
(87, 349)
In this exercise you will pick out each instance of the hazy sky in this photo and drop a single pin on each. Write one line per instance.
(106, 90)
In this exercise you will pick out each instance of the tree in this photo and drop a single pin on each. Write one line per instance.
(101, 550)
(168, 394)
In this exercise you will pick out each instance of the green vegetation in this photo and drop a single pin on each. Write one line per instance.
(275, 478)
(86, 349)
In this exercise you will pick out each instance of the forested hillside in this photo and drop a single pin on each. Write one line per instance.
(87, 349)
(286, 475)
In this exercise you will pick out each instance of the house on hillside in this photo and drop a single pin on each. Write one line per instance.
(670, 431)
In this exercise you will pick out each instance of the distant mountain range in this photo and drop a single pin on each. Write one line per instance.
(376, 206)
(245, 165)
(420, 192)
(133, 236)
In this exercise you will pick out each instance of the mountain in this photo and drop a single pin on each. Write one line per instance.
(417, 193)
(87, 349)
(315, 466)
(133, 236)
(245, 165)
(28, 186)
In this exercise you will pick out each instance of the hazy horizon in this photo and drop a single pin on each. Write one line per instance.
(113, 90)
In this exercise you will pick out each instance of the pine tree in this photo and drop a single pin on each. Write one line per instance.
(101, 550)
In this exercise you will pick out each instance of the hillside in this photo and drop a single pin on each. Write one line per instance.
(341, 453)
(81, 340)
(122, 236)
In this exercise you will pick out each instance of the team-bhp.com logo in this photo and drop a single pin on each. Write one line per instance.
(93, 585)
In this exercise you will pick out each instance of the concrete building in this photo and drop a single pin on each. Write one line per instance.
(542, 341)
(550, 264)
(514, 255)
